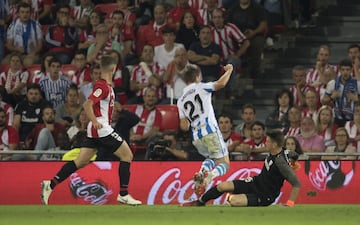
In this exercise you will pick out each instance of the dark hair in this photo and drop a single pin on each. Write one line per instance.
(168, 30)
(170, 133)
(196, 24)
(353, 46)
(43, 60)
(23, 5)
(33, 86)
(204, 27)
(248, 106)
(277, 136)
(281, 93)
(345, 62)
(63, 6)
(190, 74)
(55, 60)
(106, 62)
(89, 28)
(226, 116)
(119, 12)
(47, 106)
(257, 123)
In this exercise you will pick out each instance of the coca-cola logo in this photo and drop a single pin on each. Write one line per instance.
(95, 193)
(170, 188)
(328, 174)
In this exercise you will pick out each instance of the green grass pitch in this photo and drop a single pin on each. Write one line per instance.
(176, 215)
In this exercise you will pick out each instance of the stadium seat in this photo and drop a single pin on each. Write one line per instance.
(4, 67)
(107, 8)
(170, 117)
(33, 69)
(69, 70)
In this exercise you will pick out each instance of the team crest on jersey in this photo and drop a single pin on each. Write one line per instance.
(268, 164)
(97, 92)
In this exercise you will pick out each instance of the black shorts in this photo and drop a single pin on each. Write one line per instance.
(111, 143)
(248, 188)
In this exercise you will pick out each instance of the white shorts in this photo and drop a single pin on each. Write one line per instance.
(211, 146)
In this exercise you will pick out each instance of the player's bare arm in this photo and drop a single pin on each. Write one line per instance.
(222, 81)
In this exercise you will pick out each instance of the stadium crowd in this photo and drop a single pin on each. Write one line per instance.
(50, 51)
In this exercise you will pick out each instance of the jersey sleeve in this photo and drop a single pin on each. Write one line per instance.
(287, 172)
(208, 87)
(100, 91)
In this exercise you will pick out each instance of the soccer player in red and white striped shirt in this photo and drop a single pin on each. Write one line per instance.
(99, 108)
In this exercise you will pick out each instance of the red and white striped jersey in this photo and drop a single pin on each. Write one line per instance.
(230, 38)
(81, 76)
(138, 75)
(78, 12)
(9, 112)
(38, 77)
(294, 92)
(293, 131)
(306, 113)
(353, 131)
(103, 99)
(10, 79)
(148, 119)
(201, 4)
(8, 135)
(313, 74)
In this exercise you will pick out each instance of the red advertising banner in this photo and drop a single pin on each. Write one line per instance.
(325, 182)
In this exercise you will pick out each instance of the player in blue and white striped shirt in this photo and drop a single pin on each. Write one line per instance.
(197, 112)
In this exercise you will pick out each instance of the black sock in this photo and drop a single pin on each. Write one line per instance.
(213, 193)
(63, 173)
(124, 175)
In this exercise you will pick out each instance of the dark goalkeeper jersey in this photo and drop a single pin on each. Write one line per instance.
(276, 169)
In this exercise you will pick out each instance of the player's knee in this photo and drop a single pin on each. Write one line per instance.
(225, 187)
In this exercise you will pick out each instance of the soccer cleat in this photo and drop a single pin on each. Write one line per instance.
(128, 199)
(45, 191)
(193, 203)
(228, 198)
(207, 178)
(199, 184)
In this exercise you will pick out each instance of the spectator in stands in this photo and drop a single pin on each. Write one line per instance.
(40, 10)
(103, 44)
(255, 145)
(174, 76)
(353, 127)
(231, 138)
(80, 13)
(203, 4)
(150, 119)
(122, 33)
(294, 122)
(175, 13)
(152, 32)
(325, 125)
(250, 18)
(167, 147)
(82, 74)
(300, 86)
(87, 35)
(121, 79)
(164, 53)
(86, 90)
(188, 32)
(278, 119)
(309, 140)
(15, 79)
(4, 19)
(206, 11)
(311, 104)
(61, 38)
(292, 144)
(206, 54)
(70, 108)
(7, 108)
(28, 41)
(55, 86)
(28, 111)
(45, 135)
(354, 57)
(80, 124)
(317, 76)
(248, 116)
(9, 137)
(343, 93)
(147, 74)
(129, 17)
(232, 42)
(44, 70)
(342, 145)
